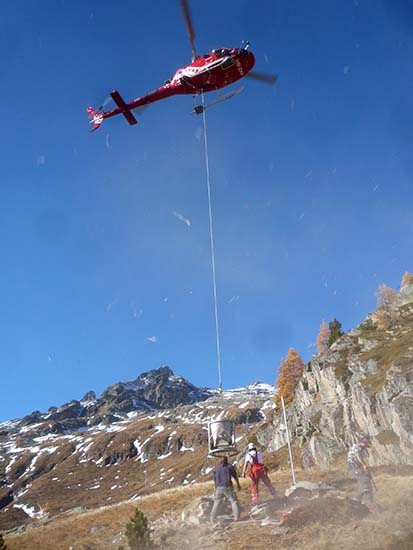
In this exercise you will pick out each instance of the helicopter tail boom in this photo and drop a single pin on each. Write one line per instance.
(117, 98)
(96, 116)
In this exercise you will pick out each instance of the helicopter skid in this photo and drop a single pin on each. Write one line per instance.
(199, 109)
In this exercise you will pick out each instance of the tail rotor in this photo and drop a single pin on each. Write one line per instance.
(95, 118)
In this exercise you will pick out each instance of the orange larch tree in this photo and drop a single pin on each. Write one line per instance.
(291, 370)
(385, 313)
(323, 337)
(407, 279)
(385, 296)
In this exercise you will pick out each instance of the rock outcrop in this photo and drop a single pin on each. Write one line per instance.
(361, 385)
(151, 391)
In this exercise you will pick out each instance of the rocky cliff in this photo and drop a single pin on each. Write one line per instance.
(361, 385)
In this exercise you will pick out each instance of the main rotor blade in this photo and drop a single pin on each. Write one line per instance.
(189, 26)
(266, 78)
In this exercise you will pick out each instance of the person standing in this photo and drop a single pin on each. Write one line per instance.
(358, 470)
(223, 475)
(257, 472)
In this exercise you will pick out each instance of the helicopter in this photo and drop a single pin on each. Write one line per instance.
(209, 72)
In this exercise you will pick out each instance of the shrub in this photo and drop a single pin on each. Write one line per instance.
(368, 325)
(138, 532)
(374, 383)
(341, 369)
(388, 437)
(384, 319)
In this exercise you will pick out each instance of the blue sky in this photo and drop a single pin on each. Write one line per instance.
(312, 187)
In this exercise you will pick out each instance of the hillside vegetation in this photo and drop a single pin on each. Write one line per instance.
(324, 525)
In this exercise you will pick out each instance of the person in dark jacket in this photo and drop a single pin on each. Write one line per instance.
(223, 475)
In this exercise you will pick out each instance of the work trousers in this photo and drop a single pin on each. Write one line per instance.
(254, 487)
(220, 494)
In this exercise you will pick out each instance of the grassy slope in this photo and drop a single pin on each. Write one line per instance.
(103, 528)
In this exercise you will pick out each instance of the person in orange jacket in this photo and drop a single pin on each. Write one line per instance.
(257, 472)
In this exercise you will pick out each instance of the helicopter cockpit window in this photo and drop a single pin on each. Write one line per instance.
(206, 55)
(221, 52)
(227, 63)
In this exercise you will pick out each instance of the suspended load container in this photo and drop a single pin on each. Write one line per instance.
(221, 438)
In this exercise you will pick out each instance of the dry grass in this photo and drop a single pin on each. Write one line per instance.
(98, 528)
(281, 458)
(390, 350)
(103, 528)
(60, 482)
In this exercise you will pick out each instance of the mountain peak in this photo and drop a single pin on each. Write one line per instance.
(164, 371)
(150, 391)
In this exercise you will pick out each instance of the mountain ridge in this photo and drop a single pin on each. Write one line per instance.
(152, 390)
(63, 459)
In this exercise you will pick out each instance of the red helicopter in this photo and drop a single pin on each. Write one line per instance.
(206, 73)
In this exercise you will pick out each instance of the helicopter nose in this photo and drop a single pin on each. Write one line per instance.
(247, 54)
(251, 60)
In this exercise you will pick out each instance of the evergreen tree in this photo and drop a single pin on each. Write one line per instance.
(2, 543)
(335, 331)
(323, 337)
(138, 532)
(291, 370)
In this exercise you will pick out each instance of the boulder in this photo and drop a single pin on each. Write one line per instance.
(307, 490)
(268, 508)
(200, 511)
(6, 496)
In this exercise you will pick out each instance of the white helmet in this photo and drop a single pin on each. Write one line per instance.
(251, 446)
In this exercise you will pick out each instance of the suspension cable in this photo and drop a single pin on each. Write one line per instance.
(211, 237)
